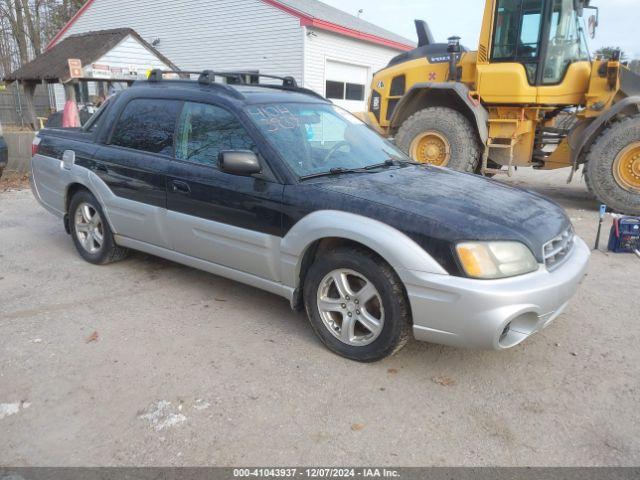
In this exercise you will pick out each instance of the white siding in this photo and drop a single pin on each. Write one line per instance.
(206, 34)
(58, 93)
(131, 53)
(322, 46)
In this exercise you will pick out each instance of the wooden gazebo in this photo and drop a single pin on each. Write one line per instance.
(118, 55)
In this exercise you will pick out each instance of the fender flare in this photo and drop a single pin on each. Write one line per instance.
(397, 249)
(458, 91)
(91, 182)
(582, 138)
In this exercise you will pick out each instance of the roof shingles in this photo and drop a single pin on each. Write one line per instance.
(89, 47)
(322, 11)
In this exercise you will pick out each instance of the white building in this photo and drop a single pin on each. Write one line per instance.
(325, 49)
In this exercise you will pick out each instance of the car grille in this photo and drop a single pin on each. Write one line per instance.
(558, 250)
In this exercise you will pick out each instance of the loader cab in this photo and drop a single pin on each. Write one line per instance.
(537, 52)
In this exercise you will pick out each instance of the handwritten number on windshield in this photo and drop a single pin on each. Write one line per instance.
(275, 117)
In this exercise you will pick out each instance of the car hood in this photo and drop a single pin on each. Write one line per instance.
(437, 204)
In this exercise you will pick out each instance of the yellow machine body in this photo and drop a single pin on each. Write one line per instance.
(517, 109)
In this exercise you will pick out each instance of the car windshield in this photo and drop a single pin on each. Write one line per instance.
(320, 138)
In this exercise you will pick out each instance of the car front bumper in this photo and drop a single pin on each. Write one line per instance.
(492, 314)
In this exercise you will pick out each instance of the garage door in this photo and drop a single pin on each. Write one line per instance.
(346, 85)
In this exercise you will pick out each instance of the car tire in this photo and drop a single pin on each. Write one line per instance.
(450, 130)
(381, 321)
(602, 162)
(90, 231)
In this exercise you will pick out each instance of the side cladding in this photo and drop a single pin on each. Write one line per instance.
(402, 253)
(52, 180)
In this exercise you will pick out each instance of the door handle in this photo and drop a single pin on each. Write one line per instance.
(180, 187)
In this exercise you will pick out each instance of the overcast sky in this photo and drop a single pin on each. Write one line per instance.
(619, 19)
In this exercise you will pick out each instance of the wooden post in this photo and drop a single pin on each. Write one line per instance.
(30, 116)
(69, 92)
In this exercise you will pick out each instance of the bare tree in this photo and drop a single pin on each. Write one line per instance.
(26, 26)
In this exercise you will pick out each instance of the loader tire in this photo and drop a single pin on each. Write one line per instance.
(441, 136)
(612, 170)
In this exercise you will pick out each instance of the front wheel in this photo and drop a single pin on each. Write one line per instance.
(442, 137)
(613, 167)
(356, 304)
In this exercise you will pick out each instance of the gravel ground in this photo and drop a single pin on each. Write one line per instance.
(147, 362)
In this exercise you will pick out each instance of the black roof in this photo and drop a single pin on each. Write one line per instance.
(237, 94)
(247, 93)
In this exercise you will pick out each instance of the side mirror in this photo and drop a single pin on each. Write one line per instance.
(240, 162)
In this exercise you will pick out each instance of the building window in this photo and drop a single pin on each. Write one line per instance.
(354, 92)
(251, 78)
(335, 90)
(345, 91)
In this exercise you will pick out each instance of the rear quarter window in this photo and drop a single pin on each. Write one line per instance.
(148, 125)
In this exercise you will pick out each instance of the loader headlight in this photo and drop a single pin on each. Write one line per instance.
(493, 260)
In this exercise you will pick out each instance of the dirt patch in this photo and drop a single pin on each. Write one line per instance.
(14, 181)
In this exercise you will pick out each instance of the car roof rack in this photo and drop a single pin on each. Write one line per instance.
(208, 77)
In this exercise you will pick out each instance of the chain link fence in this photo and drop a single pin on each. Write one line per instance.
(12, 105)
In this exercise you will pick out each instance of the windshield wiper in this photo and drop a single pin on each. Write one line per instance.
(334, 171)
(342, 170)
(394, 160)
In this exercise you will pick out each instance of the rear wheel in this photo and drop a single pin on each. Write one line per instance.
(356, 304)
(442, 137)
(90, 231)
(613, 167)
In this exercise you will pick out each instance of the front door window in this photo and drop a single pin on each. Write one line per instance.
(567, 42)
(206, 130)
(517, 34)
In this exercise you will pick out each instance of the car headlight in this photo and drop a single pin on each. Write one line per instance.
(492, 260)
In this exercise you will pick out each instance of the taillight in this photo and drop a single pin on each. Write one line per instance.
(35, 145)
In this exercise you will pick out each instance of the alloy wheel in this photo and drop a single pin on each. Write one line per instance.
(350, 307)
(89, 228)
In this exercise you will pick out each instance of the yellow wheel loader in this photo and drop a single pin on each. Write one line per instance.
(530, 96)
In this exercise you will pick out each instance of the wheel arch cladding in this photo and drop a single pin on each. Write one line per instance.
(316, 250)
(581, 140)
(451, 95)
(84, 179)
(394, 247)
(72, 190)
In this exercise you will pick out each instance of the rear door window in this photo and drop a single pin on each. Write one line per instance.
(148, 125)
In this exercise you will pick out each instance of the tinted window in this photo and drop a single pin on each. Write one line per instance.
(204, 131)
(355, 92)
(567, 43)
(147, 125)
(517, 29)
(95, 121)
(335, 90)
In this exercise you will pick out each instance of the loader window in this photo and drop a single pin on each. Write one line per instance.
(517, 34)
(567, 42)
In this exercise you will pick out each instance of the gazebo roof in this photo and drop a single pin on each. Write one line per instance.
(52, 66)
